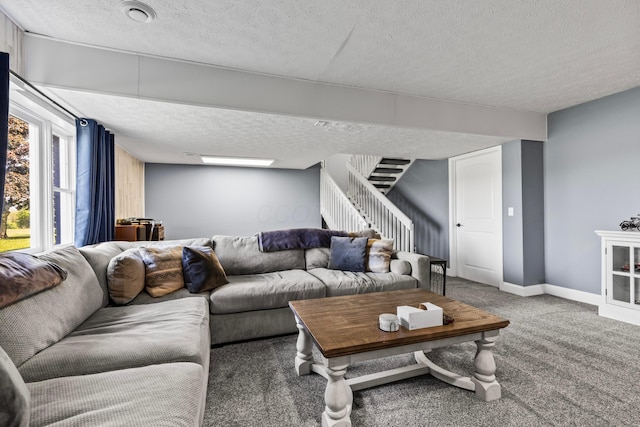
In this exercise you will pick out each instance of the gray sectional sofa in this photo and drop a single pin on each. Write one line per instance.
(86, 361)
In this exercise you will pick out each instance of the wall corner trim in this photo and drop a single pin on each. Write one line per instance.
(523, 291)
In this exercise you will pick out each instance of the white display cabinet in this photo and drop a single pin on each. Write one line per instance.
(620, 275)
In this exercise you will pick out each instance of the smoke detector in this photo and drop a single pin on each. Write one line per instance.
(138, 11)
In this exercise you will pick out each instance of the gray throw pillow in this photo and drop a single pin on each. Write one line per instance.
(348, 253)
(14, 395)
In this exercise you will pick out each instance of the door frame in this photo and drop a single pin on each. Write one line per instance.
(453, 241)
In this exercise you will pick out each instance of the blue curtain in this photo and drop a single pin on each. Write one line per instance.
(95, 195)
(4, 122)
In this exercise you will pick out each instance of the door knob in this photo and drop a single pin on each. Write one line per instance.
(458, 225)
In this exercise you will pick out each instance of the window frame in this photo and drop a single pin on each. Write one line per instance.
(45, 120)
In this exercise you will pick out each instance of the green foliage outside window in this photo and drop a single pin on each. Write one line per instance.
(16, 190)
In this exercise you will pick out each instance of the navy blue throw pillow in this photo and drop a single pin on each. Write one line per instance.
(348, 253)
(201, 269)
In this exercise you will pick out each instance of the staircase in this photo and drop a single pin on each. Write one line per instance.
(365, 205)
(382, 172)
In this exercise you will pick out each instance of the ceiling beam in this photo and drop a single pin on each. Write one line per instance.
(55, 63)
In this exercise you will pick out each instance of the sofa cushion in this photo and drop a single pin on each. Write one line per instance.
(317, 258)
(35, 323)
(379, 253)
(23, 275)
(348, 253)
(348, 282)
(159, 395)
(201, 269)
(264, 291)
(14, 396)
(163, 269)
(127, 337)
(126, 276)
(400, 267)
(99, 256)
(197, 241)
(241, 255)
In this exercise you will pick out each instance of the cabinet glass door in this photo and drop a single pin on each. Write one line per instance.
(636, 297)
(620, 288)
(621, 258)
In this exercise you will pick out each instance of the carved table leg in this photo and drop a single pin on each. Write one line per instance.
(304, 358)
(487, 388)
(338, 399)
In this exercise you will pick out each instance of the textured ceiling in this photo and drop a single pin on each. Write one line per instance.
(533, 55)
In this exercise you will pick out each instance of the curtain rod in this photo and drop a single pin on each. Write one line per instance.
(42, 94)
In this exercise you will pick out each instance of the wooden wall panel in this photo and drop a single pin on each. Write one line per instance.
(129, 185)
(11, 42)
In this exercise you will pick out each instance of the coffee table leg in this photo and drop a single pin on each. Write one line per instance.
(304, 358)
(487, 388)
(338, 398)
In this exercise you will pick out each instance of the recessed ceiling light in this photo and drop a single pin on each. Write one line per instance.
(341, 126)
(236, 161)
(138, 11)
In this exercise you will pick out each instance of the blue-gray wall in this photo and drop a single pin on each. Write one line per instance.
(591, 182)
(512, 236)
(523, 233)
(423, 195)
(202, 201)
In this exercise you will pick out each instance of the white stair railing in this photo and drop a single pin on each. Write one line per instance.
(336, 208)
(365, 164)
(384, 216)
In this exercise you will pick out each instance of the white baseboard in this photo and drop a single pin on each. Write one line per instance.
(558, 291)
(573, 294)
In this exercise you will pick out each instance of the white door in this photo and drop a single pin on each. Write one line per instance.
(477, 216)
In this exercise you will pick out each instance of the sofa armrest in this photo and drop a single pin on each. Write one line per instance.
(420, 266)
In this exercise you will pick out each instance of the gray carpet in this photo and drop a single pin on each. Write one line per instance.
(558, 362)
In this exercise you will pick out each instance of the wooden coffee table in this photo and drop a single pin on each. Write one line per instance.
(345, 330)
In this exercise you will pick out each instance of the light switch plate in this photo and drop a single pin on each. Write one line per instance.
(510, 211)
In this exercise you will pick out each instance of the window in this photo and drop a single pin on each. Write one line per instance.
(39, 204)
(63, 194)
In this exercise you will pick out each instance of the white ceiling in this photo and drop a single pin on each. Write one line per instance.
(527, 56)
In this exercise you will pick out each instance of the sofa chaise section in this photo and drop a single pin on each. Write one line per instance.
(127, 337)
(86, 363)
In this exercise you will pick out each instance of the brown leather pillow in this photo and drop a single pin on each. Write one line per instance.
(125, 276)
(23, 275)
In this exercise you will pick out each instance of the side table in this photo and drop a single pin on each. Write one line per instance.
(438, 281)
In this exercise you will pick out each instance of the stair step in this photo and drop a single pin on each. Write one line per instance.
(388, 170)
(382, 178)
(390, 161)
(382, 186)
